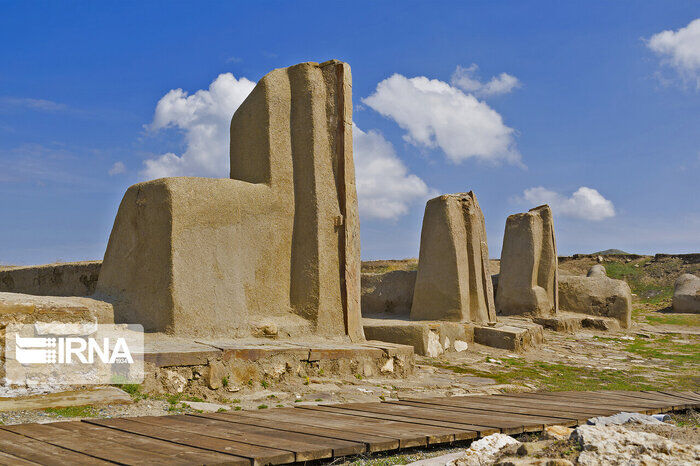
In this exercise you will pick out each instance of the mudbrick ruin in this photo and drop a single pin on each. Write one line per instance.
(252, 288)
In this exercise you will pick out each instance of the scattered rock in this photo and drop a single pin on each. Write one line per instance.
(215, 374)
(557, 432)
(172, 381)
(388, 366)
(623, 418)
(617, 445)
(486, 450)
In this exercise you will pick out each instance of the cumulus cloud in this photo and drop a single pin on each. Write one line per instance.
(435, 114)
(680, 49)
(585, 203)
(117, 169)
(385, 189)
(203, 118)
(467, 80)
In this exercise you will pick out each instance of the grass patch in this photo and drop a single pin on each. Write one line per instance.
(72, 411)
(558, 377)
(690, 321)
(667, 348)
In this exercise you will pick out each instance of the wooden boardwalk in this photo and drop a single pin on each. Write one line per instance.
(288, 435)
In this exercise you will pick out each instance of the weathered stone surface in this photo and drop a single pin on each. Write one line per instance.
(26, 309)
(686, 294)
(388, 293)
(91, 397)
(527, 283)
(513, 336)
(65, 279)
(453, 281)
(277, 243)
(617, 445)
(427, 338)
(596, 295)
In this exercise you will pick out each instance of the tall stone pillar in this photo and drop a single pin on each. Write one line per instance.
(527, 283)
(453, 281)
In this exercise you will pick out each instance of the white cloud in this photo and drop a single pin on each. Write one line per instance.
(33, 104)
(680, 49)
(467, 80)
(585, 203)
(435, 114)
(117, 169)
(385, 189)
(204, 118)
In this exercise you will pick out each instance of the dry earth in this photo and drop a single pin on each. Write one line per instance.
(661, 350)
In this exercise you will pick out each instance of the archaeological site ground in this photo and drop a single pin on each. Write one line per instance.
(268, 341)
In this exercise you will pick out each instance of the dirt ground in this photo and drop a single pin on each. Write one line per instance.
(661, 350)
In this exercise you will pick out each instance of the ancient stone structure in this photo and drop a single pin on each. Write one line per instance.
(65, 279)
(453, 281)
(275, 246)
(597, 295)
(686, 294)
(527, 283)
(388, 294)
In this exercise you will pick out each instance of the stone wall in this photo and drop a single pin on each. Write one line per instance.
(65, 279)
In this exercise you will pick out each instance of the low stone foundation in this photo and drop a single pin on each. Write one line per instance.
(428, 338)
(227, 366)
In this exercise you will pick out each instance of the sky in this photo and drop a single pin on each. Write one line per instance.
(591, 107)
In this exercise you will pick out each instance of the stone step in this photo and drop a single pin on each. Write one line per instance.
(428, 338)
(509, 334)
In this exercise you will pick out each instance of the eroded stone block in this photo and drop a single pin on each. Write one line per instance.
(527, 283)
(453, 281)
(686, 294)
(276, 245)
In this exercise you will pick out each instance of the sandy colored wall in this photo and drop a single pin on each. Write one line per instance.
(64, 279)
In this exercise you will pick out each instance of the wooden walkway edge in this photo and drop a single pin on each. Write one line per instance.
(288, 435)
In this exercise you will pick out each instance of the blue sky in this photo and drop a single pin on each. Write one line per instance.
(592, 97)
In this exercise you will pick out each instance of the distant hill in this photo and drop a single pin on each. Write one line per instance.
(608, 252)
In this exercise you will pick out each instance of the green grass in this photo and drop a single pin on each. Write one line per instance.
(262, 407)
(558, 377)
(72, 411)
(638, 279)
(662, 319)
(666, 348)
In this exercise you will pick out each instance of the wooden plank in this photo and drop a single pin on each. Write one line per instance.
(682, 395)
(575, 400)
(670, 402)
(105, 450)
(653, 399)
(507, 401)
(173, 450)
(41, 452)
(400, 437)
(338, 447)
(257, 456)
(508, 414)
(568, 419)
(505, 425)
(618, 400)
(11, 460)
(303, 448)
(481, 431)
(369, 441)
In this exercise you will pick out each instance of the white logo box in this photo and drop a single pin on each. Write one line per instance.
(58, 353)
